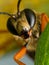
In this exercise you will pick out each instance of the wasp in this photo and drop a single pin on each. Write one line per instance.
(28, 25)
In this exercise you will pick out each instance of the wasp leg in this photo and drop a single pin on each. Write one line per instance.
(19, 55)
(44, 21)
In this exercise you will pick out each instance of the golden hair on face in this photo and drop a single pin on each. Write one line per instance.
(22, 24)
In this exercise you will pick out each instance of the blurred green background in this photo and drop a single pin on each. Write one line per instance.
(7, 41)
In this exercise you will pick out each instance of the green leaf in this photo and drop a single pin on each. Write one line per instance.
(42, 52)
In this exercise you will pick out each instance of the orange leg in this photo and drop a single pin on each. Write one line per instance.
(44, 21)
(19, 55)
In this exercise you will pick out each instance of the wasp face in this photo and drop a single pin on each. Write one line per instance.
(23, 28)
(27, 26)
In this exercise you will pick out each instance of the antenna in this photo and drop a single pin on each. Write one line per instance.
(18, 12)
(6, 14)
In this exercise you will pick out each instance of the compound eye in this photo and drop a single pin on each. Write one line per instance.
(32, 20)
(10, 26)
(31, 17)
